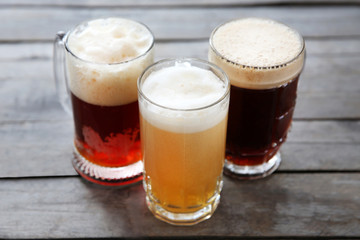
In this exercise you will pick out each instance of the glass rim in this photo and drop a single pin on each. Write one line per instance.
(224, 78)
(101, 63)
(256, 67)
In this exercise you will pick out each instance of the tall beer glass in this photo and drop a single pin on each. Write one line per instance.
(183, 117)
(102, 60)
(263, 60)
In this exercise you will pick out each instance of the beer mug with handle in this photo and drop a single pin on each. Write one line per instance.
(96, 67)
(263, 59)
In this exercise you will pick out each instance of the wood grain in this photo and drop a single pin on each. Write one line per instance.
(44, 148)
(181, 22)
(328, 87)
(300, 205)
(159, 3)
(36, 149)
(324, 48)
(315, 192)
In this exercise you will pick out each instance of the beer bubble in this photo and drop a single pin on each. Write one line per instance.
(106, 58)
(177, 90)
(256, 46)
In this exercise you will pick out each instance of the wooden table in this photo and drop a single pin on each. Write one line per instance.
(315, 192)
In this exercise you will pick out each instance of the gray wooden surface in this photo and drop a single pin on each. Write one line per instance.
(315, 192)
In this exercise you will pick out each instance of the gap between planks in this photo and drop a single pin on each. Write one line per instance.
(277, 172)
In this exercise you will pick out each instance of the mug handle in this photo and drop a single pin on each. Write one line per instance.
(61, 83)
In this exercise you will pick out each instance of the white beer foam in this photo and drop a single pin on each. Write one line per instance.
(257, 53)
(183, 87)
(110, 58)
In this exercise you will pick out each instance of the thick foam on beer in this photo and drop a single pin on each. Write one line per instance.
(182, 94)
(257, 53)
(110, 54)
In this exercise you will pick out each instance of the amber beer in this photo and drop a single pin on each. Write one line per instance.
(263, 60)
(108, 136)
(183, 117)
(104, 58)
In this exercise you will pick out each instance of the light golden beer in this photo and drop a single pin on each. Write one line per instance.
(183, 118)
(184, 169)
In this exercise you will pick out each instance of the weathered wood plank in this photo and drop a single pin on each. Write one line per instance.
(320, 157)
(44, 148)
(300, 205)
(36, 149)
(328, 105)
(181, 23)
(329, 87)
(325, 132)
(36, 135)
(204, 3)
(27, 92)
(314, 47)
(35, 100)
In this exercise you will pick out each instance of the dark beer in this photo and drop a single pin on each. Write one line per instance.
(258, 122)
(263, 60)
(107, 135)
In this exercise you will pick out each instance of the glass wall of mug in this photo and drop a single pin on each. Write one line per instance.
(183, 117)
(102, 60)
(263, 60)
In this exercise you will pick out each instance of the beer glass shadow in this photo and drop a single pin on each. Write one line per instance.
(252, 207)
(118, 210)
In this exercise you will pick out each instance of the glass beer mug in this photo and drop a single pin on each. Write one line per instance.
(263, 59)
(96, 66)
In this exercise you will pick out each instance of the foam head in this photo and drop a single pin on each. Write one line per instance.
(111, 40)
(183, 98)
(104, 59)
(257, 53)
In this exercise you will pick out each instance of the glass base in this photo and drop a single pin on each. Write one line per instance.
(183, 219)
(108, 176)
(252, 172)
